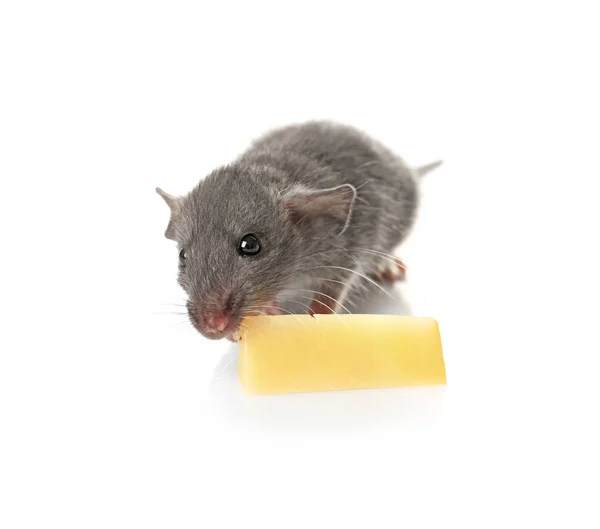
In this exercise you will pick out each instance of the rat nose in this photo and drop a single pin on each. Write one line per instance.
(215, 322)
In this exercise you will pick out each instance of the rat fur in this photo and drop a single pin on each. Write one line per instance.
(328, 204)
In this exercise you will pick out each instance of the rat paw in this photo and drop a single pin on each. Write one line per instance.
(390, 271)
(272, 310)
(235, 336)
(321, 306)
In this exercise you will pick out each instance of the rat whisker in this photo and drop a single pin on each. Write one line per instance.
(328, 307)
(292, 314)
(319, 302)
(304, 305)
(385, 256)
(326, 296)
(300, 303)
(300, 220)
(347, 285)
(325, 252)
(278, 308)
(255, 305)
(358, 197)
(378, 252)
(353, 272)
(367, 164)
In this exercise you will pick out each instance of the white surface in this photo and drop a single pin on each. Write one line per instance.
(112, 415)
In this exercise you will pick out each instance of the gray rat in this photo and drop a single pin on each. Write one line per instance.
(305, 215)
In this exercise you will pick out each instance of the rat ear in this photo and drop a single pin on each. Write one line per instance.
(319, 209)
(174, 204)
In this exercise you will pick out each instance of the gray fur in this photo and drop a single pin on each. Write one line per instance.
(309, 236)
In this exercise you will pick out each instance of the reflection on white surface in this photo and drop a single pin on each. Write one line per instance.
(358, 410)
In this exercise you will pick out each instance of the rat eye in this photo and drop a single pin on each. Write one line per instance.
(249, 245)
(182, 257)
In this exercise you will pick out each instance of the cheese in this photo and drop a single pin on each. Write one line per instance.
(300, 353)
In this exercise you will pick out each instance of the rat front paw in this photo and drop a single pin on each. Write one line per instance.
(235, 336)
(390, 271)
(272, 310)
(321, 306)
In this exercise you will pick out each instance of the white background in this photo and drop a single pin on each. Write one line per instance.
(114, 415)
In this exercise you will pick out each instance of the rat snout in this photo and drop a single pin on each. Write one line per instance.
(215, 322)
(216, 318)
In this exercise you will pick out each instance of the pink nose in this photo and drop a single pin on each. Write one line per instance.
(215, 322)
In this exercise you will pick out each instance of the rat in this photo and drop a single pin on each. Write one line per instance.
(306, 215)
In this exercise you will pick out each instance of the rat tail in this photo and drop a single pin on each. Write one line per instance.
(427, 168)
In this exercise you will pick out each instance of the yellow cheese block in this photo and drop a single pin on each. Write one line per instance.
(291, 354)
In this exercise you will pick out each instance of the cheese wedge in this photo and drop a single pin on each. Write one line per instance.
(292, 354)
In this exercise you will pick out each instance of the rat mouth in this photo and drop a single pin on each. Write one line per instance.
(216, 325)
(230, 330)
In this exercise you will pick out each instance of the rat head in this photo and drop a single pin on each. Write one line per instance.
(241, 241)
